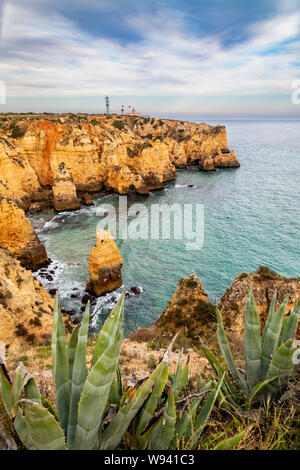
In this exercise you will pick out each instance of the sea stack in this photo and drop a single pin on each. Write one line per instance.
(64, 191)
(18, 236)
(105, 265)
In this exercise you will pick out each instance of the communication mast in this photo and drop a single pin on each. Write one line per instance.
(107, 105)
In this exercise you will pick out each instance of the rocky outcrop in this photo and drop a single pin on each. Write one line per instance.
(189, 309)
(105, 265)
(265, 282)
(102, 153)
(18, 180)
(18, 236)
(25, 306)
(64, 191)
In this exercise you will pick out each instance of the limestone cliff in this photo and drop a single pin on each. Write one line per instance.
(18, 180)
(102, 152)
(189, 309)
(25, 306)
(105, 265)
(265, 281)
(18, 236)
(64, 191)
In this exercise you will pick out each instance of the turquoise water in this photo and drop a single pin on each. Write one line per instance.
(251, 218)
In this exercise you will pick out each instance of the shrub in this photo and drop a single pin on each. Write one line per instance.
(119, 125)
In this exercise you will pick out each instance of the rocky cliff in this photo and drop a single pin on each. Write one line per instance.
(18, 236)
(98, 152)
(105, 265)
(25, 306)
(264, 281)
(189, 309)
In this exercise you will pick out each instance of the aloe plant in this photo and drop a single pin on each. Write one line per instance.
(268, 357)
(93, 411)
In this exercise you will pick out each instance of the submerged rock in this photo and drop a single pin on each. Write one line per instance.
(105, 265)
(18, 236)
(264, 281)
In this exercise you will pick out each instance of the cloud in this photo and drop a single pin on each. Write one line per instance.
(44, 53)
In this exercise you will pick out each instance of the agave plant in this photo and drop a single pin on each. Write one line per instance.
(268, 357)
(93, 412)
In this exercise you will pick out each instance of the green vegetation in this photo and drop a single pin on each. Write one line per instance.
(84, 398)
(268, 357)
(255, 408)
(119, 125)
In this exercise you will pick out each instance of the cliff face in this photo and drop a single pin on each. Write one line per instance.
(101, 152)
(18, 236)
(189, 309)
(265, 282)
(25, 306)
(105, 265)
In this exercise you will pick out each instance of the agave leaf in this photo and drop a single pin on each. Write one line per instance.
(228, 387)
(230, 443)
(79, 374)
(252, 342)
(183, 428)
(72, 349)
(6, 388)
(60, 367)
(226, 351)
(116, 391)
(151, 403)
(114, 432)
(281, 365)
(164, 432)
(271, 338)
(109, 330)
(290, 327)
(32, 392)
(17, 387)
(44, 432)
(143, 440)
(257, 389)
(205, 411)
(270, 315)
(94, 396)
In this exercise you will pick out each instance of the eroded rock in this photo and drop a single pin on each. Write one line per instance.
(18, 236)
(105, 265)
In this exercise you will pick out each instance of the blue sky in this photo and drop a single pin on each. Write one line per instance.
(206, 58)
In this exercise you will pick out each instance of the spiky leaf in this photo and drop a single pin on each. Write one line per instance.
(164, 431)
(271, 338)
(79, 374)
(60, 367)
(252, 342)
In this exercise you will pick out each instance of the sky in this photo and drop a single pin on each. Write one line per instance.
(209, 58)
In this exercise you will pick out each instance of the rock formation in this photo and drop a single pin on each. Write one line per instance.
(100, 153)
(265, 281)
(18, 236)
(189, 309)
(64, 191)
(25, 306)
(105, 265)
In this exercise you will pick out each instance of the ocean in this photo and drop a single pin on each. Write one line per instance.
(251, 218)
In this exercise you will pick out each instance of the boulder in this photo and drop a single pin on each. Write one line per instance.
(105, 265)
(18, 236)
